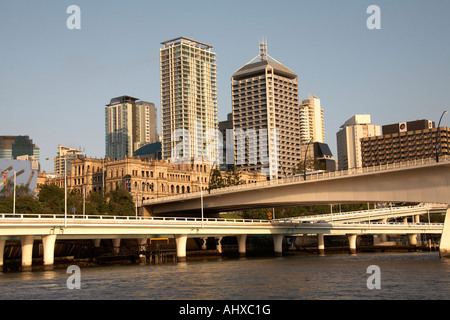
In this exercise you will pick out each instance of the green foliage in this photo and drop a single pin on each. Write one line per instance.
(121, 203)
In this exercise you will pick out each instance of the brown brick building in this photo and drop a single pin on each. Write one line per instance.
(405, 141)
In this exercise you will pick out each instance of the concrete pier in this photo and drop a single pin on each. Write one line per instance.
(242, 239)
(444, 247)
(181, 240)
(352, 243)
(321, 244)
(278, 244)
(2, 253)
(219, 244)
(49, 251)
(27, 252)
(204, 242)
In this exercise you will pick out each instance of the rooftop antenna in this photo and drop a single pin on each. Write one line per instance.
(263, 49)
(263, 52)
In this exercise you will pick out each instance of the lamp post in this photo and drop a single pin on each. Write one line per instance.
(304, 165)
(14, 192)
(438, 134)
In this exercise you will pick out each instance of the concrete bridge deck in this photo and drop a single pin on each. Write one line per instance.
(423, 181)
(29, 228)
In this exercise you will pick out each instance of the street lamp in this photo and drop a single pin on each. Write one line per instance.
(14, 197)
(438, 134)
(304, 165)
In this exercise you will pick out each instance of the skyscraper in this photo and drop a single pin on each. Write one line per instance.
(311, 121)
(188, 100)
(129, 125)
(349, 140)
(146, 128)
(266, 116)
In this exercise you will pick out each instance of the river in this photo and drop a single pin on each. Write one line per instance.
(416, 276)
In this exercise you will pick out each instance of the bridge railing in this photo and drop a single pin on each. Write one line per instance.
(128, 218)
(368, 213)
(308, 177)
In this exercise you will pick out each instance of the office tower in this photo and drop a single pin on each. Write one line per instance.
(188, 100)
(129, 125)
(349, 140)
(266, 116)
(12, 147)
(311, 121)
(146, 128)
(64, 157)
(405, 141)
(120, 120)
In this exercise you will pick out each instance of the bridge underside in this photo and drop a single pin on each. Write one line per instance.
(428, 184)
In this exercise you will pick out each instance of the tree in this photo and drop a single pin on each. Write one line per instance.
(51, 198)
(233, 177)
(121, 203)
(216, 181)
(25, 202)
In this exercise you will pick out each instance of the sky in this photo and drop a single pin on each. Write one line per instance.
(55, 82)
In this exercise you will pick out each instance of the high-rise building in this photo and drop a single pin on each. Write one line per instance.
(189, 115)
(64, 158)
(146, 127)
(12, 147)
(266, 116)
(129, 125)
(349, 140)
(311, 121)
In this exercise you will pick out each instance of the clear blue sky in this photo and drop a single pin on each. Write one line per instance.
(55, 82)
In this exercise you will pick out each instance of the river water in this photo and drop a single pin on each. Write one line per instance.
(416, 276)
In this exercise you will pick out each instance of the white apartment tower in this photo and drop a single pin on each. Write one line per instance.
(129, 125)
(188, 100)
(311, 121)
(266, 116)
(63, 159)
(349, 140)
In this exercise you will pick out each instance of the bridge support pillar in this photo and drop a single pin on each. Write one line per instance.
(48, 243)
(116, 245)
(412, 239)
(142, 247)
(291, 241)
(321, 243)
(203, 242)
(242, 239)
(219, 244)
(444, 247)
(181, 240)
(383, 237)
(278, 244)
(352, 243)
(97, 243)
(27, 252)
(2, 253)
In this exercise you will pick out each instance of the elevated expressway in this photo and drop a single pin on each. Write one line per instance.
(421, 181)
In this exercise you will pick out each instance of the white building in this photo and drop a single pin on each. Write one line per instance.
(188, 99)
(349, 140)
(311, 121)
(64, 157)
